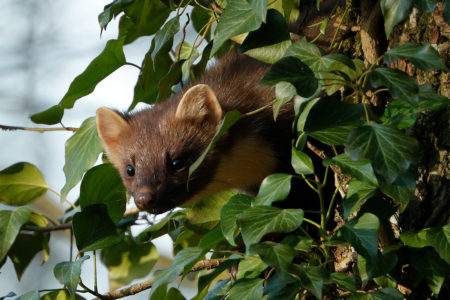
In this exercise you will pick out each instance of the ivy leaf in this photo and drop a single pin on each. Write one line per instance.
(310, 55)
(390, 151)
(430, 267)
(102, 185)
(230, 118)
(33, 295)
(415, 239)
(250, 267)
(273, 254)
(182, 259)
(426, 5)
(301, 162)
(334, 136)
(166, 83)
(60, 295)
(229, 214)
(174, 294)
(357, 193)
(82, 151)
(247, 289)
(166, 34)
(68, 273)
(446, 11)
(401, 190)
(111, 10)
(439, 239)
(238, 17)
(205, 279)
(361, 169)
(394, 11)
(111, 58)
(400, 85)
(423, 57)
(284, 92)
(219, 291)
(344, 281)
(274, 188)
(257, 221)
(128, 260)
(361, 233)
(292, 70)
(259, 7)
(270, 41)
(10, 224)
(308, 280)
(21, 184)
(93, 229)
(200, 18)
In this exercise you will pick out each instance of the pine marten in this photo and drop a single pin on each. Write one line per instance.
(153, 148)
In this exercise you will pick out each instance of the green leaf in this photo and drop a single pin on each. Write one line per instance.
(93, 229)
(200, 18)
(383, 294)
(250, 267)
(68, 274)
(294, 71)
(344, 281)
(310, 55)
(423, 57)
(308, 280)
(301, 162)
(274, 188)
(219, 291)
(400, 85)
(190, 54)
(33, 295)
(10, 294)
(426, 5)
(102, 185)
(128, 260)
(415, 239)
(60, 295)
(390, 151)
(446, 11)
(246, 289)
(166, 34)
(357, 193)
(257, 221)
(211, 239)
(394, 11)
(284, 92)
(167, 224)
(82, 150)
(270, 41)
(169, 80)
(230, 118)
(204, 214)
(340, 74)
(439, 239)
(229, 214)
(238, 17)
(21, 184)
(334, 136)
(25, 248)
(259, 7)
(401, 190)
(429, 266)
(111, 10)
(205, 279)
(276, 255)
(111, 58)
(361, 169)
(50, 116)
(361, 233)
(182, 259)
(174, 294)
(10, 224)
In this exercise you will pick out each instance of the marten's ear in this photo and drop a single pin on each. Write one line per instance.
(199, 102)
(110, 125)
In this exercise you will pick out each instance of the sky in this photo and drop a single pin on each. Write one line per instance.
(44, 45)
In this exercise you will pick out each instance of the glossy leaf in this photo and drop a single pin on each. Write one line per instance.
(166, 34)
(273, 254)
(230, 118)
(357, 193)
(127, 261)
(200, 17)
(270, 41)
(68, 274)
(257, 221)
(344, 281)
(399, 84)
(284, 92)
(426, 5)
(10, 224)
(204, 280)
(33, 295)
(423, 57)
(301, 162)
(182, 259)
(259, 7)
(82, 151)
(111, 10)
(362, 235)
(401, 190)
(238, 17)
(169, 80)
(308, 280)
(111, 58)
(275, 187)
(93, 229)
(247, 289)
(361, 169)
(250, 267)
(334, 136)
(21, 184)
(292, 70)
(60, 295)
(394, 11)
(390, 151)
(229, 214)
(429, 267)
(439, 239)
(102, 185)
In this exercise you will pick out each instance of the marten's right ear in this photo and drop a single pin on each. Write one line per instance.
(200, 102)
(110, 126)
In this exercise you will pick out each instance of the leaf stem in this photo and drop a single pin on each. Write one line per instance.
(309, 183)
(95, 272)
(41, 130)
(311, 222)
(134, 65)
(322, 206)
(333, 199)
(260, 109)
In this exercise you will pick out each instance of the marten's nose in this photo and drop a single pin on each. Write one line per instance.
(143, 198)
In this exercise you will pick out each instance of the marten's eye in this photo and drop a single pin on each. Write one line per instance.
(177, 163)
(130, 170)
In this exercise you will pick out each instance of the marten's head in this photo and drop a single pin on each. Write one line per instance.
(153, 149)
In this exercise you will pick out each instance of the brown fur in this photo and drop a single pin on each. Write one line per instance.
(183, 126)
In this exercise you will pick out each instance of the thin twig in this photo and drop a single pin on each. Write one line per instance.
(41, 130)
(184, 36)
(47, 228)
(134, 65)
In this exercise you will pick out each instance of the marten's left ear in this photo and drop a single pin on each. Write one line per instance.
(200, 102)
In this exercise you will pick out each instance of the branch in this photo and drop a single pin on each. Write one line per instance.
(41, 130)
(47, 228)
(139, 287)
